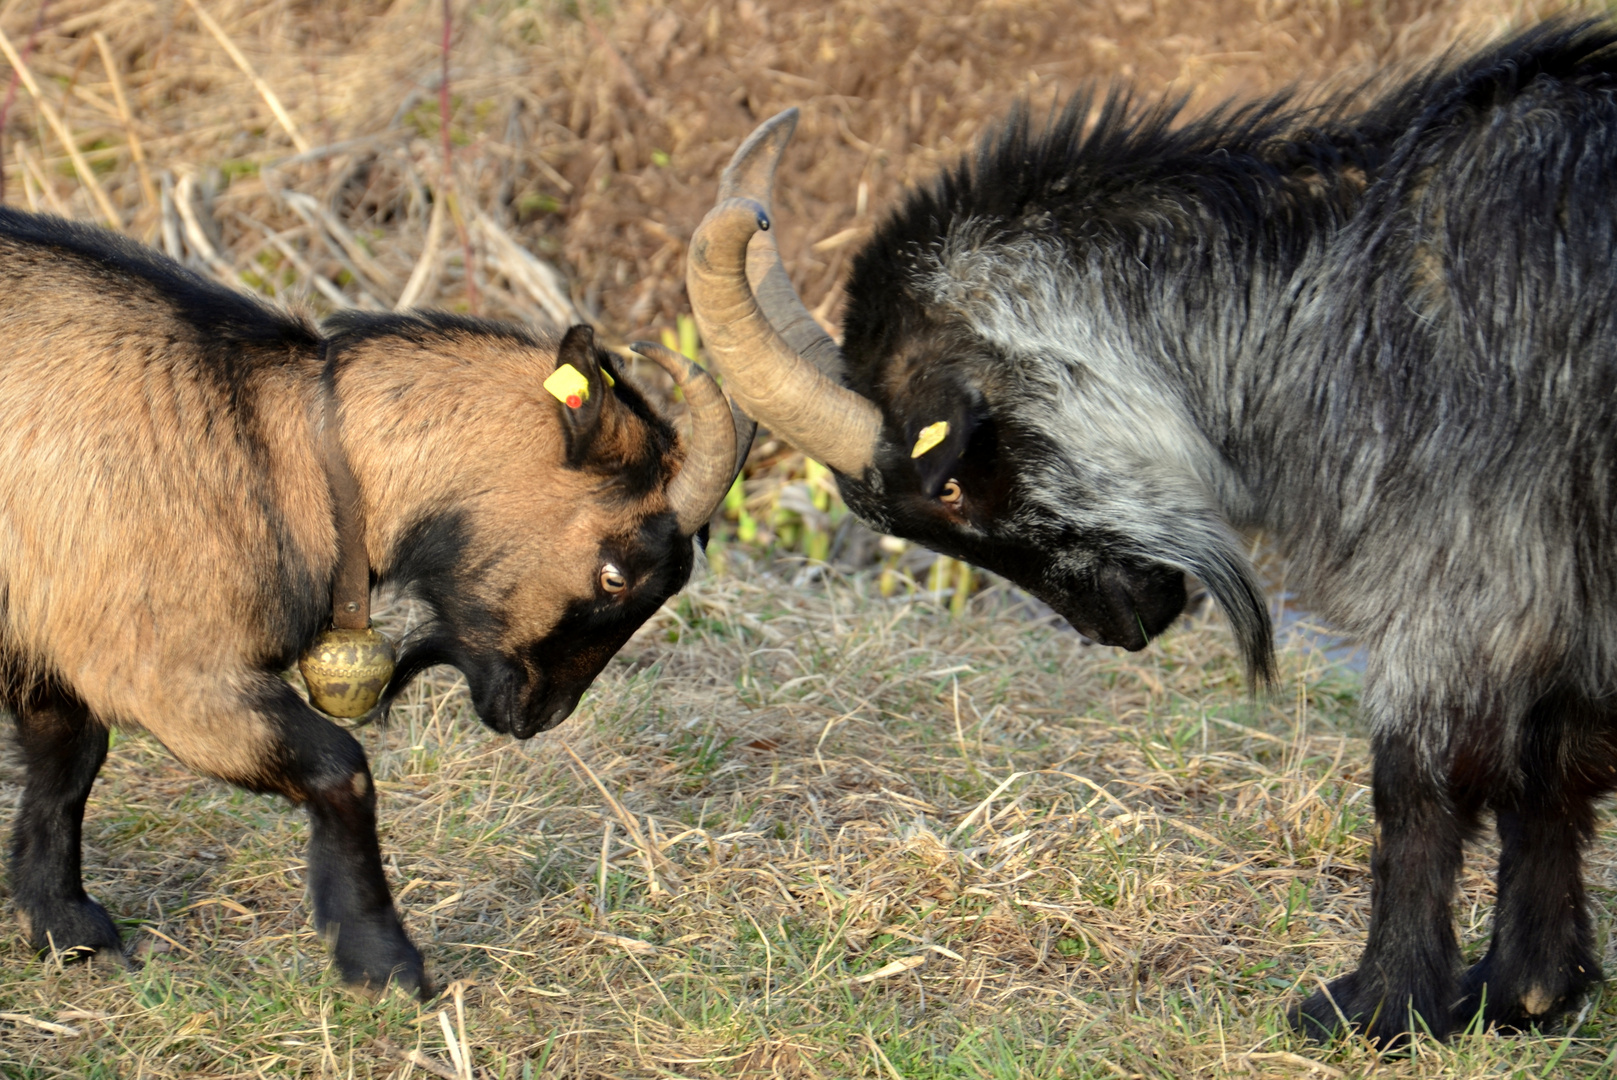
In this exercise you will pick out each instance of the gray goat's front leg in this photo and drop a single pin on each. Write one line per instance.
(1408, 976)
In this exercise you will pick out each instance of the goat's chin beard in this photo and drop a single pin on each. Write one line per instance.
(1233, 583)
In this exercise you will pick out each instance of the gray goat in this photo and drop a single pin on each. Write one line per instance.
(1383, 331)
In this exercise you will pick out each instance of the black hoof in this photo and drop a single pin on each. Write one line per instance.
(1345, 1006)
(1324, 1015)
(73, 930)
(371, 958)
(1514, 1002)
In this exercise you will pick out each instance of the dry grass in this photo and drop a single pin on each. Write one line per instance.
(798, 829)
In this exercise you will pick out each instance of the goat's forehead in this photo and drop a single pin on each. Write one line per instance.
(606, 520)
(632, 461)
(531, 552)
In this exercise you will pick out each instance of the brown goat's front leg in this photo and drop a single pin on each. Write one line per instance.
(314, 762)
(1408, 975)
(63, 747)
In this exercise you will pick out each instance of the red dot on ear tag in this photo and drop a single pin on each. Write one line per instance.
(574, 401)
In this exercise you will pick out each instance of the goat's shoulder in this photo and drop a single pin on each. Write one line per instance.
(1559, 65)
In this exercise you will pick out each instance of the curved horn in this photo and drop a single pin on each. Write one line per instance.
(699, 486)
(746, 427)
(784, 309)
(751, 175)
(767, 376)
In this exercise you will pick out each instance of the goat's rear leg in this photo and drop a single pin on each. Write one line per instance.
(63, 747)
(1542, 957)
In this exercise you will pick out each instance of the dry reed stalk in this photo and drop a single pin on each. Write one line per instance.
(185, 196)
(449, 182)
(86, 174)
(147, 188)
(263, 88)
(416, 1058)
(11, 83)
(881, 1058)
(35, 187)
(305, 272)
(322, 223)
(628, 944)
(424, 277)
(41, 1025)
(1298, 1060)
(463, 1068)
(169, 227)
(30, 191)
(543, 282)
(320, 218)
(887, 971)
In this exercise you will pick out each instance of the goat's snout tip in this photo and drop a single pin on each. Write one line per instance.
(1133, 641)
(543, 719)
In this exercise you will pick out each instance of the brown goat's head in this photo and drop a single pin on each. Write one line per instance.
(542, 532)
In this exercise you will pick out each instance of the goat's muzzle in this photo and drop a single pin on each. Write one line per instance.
(1124, 606)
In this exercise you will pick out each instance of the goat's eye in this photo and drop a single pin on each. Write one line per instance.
(951, 493)
(612, 579)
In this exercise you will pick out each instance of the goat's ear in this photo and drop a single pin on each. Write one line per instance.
(942, 420)
(580, 388)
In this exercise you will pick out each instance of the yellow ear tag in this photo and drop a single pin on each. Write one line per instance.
(568, 386)
(930, 436)
(607, 375)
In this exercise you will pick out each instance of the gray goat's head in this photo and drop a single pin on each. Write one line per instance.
(970, 413)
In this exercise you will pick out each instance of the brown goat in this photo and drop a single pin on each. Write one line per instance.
(169, 537)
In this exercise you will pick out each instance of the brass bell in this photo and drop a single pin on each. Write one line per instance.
(347, 670)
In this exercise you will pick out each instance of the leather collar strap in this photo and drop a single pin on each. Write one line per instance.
(351, 583)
